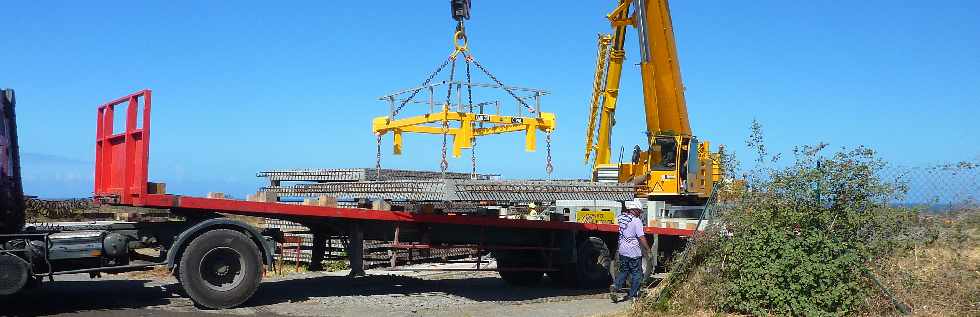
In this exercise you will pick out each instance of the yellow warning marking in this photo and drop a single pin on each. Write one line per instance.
(599, 217)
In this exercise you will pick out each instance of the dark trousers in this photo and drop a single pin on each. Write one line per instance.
(632, 268)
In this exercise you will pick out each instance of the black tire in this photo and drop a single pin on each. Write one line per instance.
(221, 269)
(592, 269)
(179, 287)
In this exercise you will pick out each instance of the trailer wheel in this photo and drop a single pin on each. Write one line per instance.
(593, 264)
(221, 269)
(179, 289)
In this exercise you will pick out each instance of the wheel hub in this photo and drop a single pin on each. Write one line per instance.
(222, 269)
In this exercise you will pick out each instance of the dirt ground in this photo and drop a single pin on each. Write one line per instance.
(382, 293)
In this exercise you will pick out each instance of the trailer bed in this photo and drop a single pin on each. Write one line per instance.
(189, 204)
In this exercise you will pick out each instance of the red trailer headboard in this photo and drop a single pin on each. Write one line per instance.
(121, 158)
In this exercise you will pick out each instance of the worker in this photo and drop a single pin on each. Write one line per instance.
(631, 240)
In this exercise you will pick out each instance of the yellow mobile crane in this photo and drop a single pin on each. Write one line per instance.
(673, 166)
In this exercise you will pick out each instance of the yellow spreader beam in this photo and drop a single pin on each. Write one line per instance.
(466, 130)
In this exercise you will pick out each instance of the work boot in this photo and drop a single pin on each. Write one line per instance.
(612, 293)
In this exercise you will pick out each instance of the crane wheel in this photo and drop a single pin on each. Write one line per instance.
(594, 260)
(221, 268)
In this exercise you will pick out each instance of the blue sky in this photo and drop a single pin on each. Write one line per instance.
(245, 86)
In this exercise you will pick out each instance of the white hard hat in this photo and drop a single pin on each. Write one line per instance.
(632, 204)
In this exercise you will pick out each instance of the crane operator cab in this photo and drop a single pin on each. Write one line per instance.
(672, 165)
(666, 147)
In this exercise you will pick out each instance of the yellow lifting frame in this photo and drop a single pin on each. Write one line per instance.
(464, 135)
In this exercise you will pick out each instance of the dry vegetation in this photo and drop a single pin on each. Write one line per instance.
(937, 276)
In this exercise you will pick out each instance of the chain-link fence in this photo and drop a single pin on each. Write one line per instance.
(937, 188)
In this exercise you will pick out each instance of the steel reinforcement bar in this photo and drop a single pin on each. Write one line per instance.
(462, 190)
(360, 175)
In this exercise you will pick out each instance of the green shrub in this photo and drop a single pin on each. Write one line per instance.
(799, 238)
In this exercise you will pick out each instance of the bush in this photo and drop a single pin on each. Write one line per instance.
(802, 235)
(798, 238)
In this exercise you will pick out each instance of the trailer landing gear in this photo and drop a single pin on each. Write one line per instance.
(221, 269)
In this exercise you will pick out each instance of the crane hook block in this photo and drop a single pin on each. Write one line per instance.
(461, 9)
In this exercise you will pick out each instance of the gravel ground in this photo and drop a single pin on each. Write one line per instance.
(382, 293)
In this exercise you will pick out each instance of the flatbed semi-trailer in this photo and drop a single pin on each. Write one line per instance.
(220, 261)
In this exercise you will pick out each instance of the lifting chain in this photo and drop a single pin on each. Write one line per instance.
(460, 47)
(548, 167)
(377, 165)
(469, 100)
(494, 78)
(424, 84)
(444, 164)
(469, 84)
(459, 35)
(473, 159)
